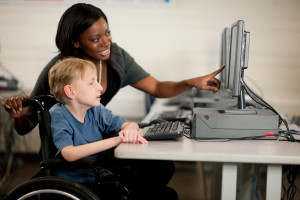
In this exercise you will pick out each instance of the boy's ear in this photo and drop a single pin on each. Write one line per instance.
(69, 91)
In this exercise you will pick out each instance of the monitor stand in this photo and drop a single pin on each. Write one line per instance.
(241, 108)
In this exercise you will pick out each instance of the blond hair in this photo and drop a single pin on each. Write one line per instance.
(64, 72)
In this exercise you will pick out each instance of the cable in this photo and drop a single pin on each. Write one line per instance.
(186, 129)
(262, 102)
(255, 84)
(254, 195)
(291, 131)
(290, 192)
(230, 139)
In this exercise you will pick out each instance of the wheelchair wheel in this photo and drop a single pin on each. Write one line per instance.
(45, 188)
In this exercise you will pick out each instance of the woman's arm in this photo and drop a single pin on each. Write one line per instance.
(165, 89)
(24, 125)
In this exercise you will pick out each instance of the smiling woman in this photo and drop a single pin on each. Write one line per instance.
(83, 32)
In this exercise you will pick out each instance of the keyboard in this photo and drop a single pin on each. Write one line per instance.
(167, 130)
(178, 115)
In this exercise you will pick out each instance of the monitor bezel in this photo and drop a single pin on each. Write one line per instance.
(226, 37)
(234, 74)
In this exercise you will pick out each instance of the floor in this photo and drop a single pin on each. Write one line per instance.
(187, 180)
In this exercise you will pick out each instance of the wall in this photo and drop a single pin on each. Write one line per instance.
(183, 40)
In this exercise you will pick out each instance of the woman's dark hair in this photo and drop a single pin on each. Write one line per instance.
(74, 22)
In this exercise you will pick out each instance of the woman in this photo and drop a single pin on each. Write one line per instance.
(83, 32)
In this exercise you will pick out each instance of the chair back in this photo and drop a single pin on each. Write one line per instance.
(47, 146)
(42, 104)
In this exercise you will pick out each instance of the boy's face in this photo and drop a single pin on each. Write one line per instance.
(87, 90)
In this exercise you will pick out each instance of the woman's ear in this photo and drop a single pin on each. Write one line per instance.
(75, 44)
(70, 93)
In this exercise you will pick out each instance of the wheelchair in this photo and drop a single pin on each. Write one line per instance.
(46, 185)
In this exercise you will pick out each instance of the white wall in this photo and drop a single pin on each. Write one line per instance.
(183, 40)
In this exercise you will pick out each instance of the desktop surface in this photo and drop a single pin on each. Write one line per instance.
(237, 151)
(185, 149)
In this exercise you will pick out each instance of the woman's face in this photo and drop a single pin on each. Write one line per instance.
(95, 41)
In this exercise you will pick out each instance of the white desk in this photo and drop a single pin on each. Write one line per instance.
(270, 152)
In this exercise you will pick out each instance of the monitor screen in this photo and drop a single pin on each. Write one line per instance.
(236, 58)
(225, 52)
(239, 54)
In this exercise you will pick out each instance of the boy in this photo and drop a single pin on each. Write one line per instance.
(79, 123)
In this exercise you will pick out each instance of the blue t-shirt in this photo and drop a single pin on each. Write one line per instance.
(67, 130)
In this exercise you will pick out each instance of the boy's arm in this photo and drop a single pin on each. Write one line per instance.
(130, 133)
(130, 125)
(73, 153)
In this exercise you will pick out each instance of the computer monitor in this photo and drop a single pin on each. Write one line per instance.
(237, 121)
(238, 61)
(225, 53)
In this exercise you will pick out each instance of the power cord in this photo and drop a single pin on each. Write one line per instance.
(186, 129)
(293, 170)
(290, 192)
(287, 134)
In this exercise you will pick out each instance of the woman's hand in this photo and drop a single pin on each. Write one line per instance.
(14, 106)
(208, 82)
(132, 136)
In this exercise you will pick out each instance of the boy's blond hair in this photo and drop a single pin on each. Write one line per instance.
(64, 72)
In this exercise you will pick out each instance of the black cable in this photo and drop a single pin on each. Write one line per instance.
(186, 129)
(290, 192)
(239, 138)
(252, 94)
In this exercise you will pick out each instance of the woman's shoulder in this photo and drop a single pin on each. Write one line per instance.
(116, 47)
(118, 52)
(53, 61)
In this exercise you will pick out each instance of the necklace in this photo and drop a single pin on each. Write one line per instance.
(100, 71)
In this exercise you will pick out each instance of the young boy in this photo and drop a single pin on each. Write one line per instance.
(80, 125)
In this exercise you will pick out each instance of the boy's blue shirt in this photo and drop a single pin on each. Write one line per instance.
(66, 130)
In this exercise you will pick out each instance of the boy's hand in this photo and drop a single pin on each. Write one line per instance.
(132, 136)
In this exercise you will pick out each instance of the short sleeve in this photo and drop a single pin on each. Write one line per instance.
(61, 130)
(128, 69)
(109, 123)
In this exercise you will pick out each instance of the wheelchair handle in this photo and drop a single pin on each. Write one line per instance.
(36, 101)
(25, 103)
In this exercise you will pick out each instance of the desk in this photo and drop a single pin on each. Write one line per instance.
(271, 152)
